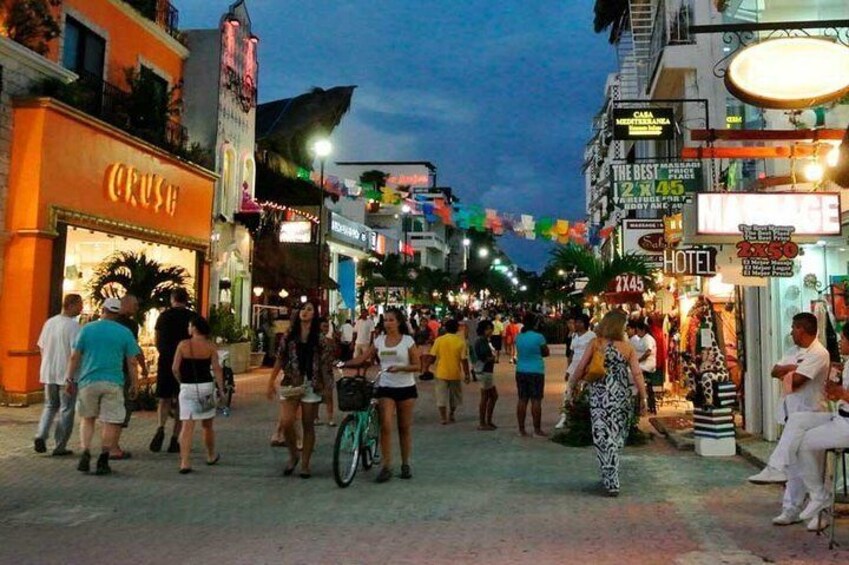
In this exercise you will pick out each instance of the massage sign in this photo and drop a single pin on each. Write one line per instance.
(656, 186)
(767, 251)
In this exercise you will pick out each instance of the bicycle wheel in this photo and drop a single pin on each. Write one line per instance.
(346, 452)
(371, 441)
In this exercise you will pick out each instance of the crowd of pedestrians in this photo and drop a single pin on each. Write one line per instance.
(99, 366)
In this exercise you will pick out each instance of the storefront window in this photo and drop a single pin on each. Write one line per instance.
(86, 251)
(817, 285)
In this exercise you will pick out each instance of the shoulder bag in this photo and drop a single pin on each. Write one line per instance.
(595, 371)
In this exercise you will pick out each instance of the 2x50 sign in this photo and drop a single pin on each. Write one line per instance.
(648, 186)
(643, 123)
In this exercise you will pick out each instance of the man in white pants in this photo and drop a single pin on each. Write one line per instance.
(582, 338)
(804, 441)
(803, 371)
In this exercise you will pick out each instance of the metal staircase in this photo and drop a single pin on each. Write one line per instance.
(634, 48)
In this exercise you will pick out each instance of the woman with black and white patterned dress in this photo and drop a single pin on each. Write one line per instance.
(611, 403)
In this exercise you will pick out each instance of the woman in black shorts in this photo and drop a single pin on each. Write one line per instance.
(396, 391)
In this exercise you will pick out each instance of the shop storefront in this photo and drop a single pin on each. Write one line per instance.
(80, 193)
(349, 243)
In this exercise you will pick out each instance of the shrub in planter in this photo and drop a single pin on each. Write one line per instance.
(578, 428)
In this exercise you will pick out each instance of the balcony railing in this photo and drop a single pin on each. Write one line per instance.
(160, 12)
(672, 22)
(121, 109)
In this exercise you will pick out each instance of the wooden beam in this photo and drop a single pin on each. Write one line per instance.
(767, 134)
(782, 152)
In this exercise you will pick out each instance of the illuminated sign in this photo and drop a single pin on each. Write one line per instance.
(409, 180)
(347, 231)
(295, 232)
(645, 238)
(690, 262)
(146, 191)
(657, 186)
(643, 123)
(734, 120)
(790, 73)
(809, 213)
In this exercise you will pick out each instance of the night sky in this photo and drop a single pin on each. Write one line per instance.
(499, 94)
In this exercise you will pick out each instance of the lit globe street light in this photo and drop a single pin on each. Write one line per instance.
(483, 252)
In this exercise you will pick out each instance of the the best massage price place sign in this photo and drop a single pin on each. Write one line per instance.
(655, 186)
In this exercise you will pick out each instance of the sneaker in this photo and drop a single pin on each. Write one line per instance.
(103, 464)
(786, 518)
(819, 523)
(770, 475)
(84, 465)
(384, 475)
(40, 445)
(61, 452)
(814, 507)
(158, 439)
(174, 446)
(561, 423)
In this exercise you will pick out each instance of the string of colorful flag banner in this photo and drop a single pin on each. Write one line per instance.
(463, 216)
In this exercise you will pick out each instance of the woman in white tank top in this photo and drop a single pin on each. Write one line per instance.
(395, 390)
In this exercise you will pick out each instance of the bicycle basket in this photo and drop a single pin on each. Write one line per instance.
(354, 393)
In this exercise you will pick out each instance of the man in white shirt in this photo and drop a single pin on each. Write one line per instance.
(580, 340)
(346, 337)
(363, 331)
(56, 342)
(645, 345)
(803, 372)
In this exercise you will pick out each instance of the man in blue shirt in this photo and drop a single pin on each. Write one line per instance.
(98, 359)
(531, 347)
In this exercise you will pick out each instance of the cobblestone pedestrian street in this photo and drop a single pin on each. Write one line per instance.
(476, 497)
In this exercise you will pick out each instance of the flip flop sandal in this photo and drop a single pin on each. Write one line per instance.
(214, 461)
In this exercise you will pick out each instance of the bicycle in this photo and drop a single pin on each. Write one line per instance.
(358, 437)
(229, 383)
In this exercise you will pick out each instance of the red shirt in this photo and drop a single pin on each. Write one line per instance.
(433, 326)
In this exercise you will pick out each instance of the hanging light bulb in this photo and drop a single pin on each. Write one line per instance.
(813, 171)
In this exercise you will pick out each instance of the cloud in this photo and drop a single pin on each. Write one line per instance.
(414, 103)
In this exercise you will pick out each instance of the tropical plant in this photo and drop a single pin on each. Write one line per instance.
(128, 272)
(224, 325)
(30, 22)
(599, 272)
(611, 14)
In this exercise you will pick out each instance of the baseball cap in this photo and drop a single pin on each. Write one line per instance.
(112, 305)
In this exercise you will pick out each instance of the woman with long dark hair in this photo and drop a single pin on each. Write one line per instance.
(396, 391)
(306, 359)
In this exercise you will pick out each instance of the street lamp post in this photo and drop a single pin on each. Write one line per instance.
(405, 215)
(466, 243)
(321, 148)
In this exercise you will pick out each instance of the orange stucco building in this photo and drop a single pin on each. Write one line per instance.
(80, 187)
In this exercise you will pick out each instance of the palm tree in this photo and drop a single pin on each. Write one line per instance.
(127, 272)
(599, 272)
(611, 14)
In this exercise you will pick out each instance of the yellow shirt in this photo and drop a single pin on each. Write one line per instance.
(449, 350)
(497, 327)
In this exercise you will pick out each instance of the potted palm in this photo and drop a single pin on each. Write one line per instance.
(231, 336)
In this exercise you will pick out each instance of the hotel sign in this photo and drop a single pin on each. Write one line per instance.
(700, 262)
(137, 189)
(649, 186)
(809, 213)
(643, 123)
